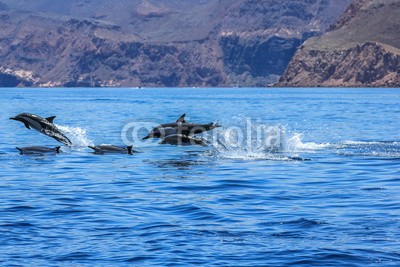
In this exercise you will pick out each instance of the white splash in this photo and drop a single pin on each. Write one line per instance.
(77, 135)
(296, 144)
(252, 140)
(248, 139)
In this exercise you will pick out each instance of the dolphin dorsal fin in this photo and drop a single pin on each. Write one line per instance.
(182, 118)
(51, 119)
(129, 148)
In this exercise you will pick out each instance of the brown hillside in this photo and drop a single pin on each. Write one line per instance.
(363, 49)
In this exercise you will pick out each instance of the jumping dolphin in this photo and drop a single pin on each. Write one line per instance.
(173, 138)
(110, 149)
(38, 150)
(42, 125)
(181, 127)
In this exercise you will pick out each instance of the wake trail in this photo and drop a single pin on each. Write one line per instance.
(249, 140)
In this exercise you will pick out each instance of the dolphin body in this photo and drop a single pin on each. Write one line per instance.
(38, 150)
(173, 138)
(182, 140)
(181, 127)
(42, 125)
(110, 149)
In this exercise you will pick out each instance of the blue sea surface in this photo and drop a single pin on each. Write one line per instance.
(307, 177)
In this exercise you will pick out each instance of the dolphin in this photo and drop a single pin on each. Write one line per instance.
(182, 140)
(173, 138)
(181, 126)
(38, 150)
(110, 149)
(42, 125)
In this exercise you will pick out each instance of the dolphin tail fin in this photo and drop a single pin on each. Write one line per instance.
(182, 118)
(216, 125)
(68, 143)
(19, 149)
(130, 150)
(219, 142)
(58, 149)
(51, 119)
(205, 142)
(96, 149)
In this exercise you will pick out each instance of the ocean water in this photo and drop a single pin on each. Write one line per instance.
(307, 177)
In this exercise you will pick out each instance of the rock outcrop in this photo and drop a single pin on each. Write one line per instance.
(361, 50)
(149, 43)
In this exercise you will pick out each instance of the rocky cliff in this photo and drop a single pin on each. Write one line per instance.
(362, 49)
(154, 43)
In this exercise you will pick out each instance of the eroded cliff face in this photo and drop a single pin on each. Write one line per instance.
(259, 38)
(361, 50)
(148, 43)
(369, 64)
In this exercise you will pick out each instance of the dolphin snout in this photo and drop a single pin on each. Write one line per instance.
(147, 137)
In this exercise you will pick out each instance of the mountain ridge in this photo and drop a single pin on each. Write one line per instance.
(148, 43)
